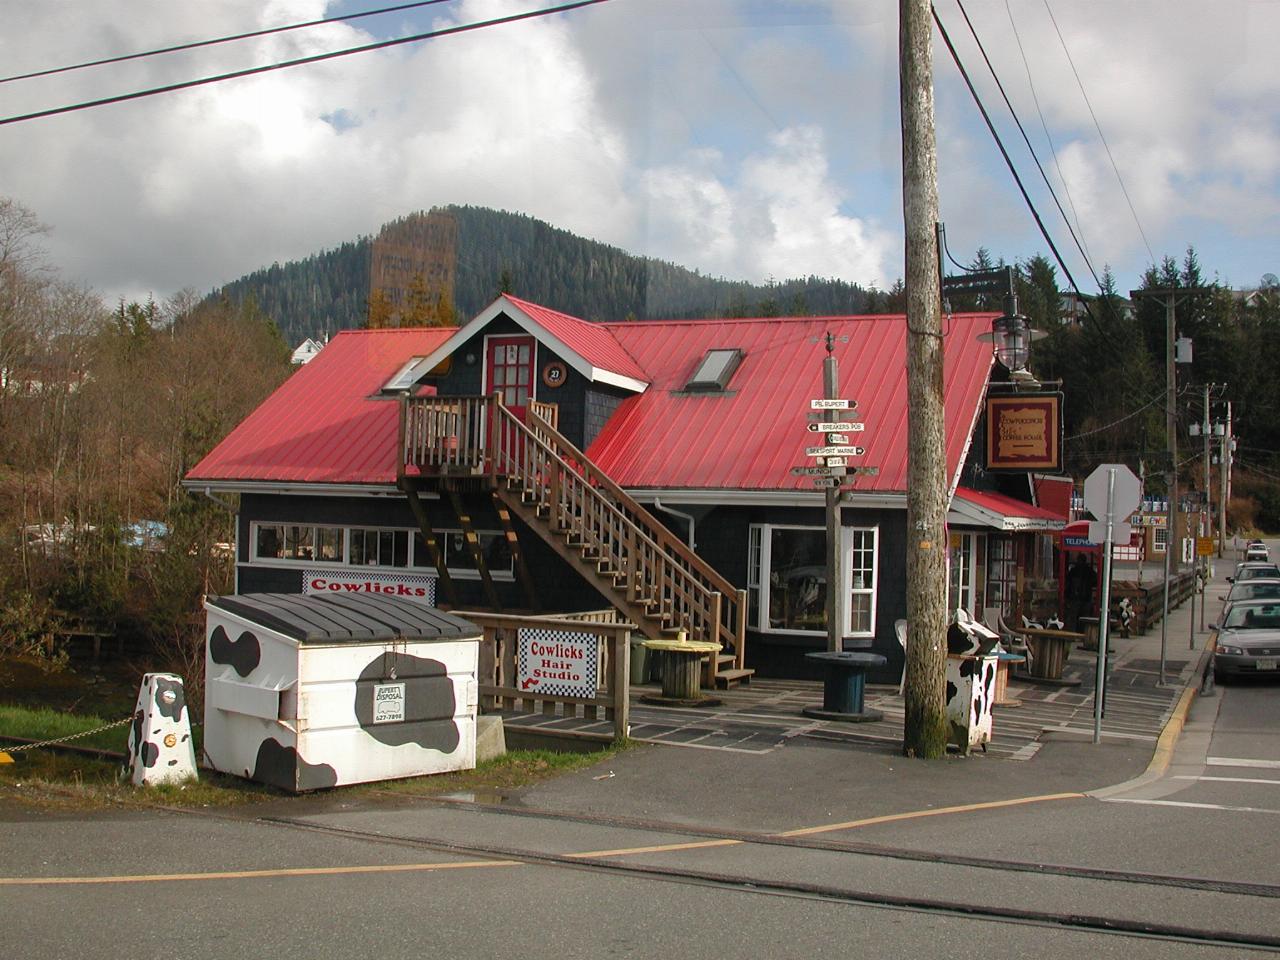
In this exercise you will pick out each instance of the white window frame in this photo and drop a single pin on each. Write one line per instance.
(414, 563)
(1159, 539)
(848, 536)
(760, 564)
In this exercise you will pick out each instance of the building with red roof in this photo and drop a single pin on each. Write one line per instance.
(527, 453)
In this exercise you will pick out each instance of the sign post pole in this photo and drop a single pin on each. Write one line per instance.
(1104, 622)
(830, 388)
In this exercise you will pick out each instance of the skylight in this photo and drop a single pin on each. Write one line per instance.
(715, 370)
(403, 379)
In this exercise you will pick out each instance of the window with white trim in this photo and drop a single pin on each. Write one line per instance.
(1159, 539)
(292, 544)
(860, 560)
(787, 579)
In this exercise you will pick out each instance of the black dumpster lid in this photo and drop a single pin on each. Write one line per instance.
(345, 618)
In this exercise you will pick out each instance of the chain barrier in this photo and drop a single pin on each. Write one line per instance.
(68, 737)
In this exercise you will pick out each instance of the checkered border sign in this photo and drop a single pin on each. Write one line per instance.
(586, 687)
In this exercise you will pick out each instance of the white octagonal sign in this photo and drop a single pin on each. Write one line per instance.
(1126, 495)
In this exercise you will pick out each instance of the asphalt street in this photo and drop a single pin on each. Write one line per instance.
(1131, 848)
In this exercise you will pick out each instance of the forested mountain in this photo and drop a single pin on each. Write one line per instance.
(491, 251)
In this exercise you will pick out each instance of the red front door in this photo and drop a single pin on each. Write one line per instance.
(509, 365)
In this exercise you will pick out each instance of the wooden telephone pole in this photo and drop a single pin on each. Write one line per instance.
(925, 727)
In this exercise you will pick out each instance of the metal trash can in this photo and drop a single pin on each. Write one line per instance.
(308, 692)
(639, 663)
(972, 663)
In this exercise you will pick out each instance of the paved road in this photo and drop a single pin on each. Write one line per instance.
(824, 847)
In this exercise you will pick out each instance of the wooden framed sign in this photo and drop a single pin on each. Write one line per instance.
(1024, 432)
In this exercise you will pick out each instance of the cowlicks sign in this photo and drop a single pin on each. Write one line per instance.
(407, 586)
(1024, 432)
(557, 662)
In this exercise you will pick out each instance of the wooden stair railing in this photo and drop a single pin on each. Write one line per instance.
(585, 515)
(648, 562)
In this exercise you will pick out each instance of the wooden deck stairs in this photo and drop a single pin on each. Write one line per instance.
(643, 570)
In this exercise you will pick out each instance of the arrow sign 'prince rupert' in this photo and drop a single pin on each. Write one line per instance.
(833, 404)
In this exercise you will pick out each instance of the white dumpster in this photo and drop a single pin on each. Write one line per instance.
(306, 692)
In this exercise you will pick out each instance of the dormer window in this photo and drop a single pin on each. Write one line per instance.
(403, 379)
(714, 371)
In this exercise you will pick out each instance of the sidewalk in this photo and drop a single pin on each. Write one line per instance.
(766, 714)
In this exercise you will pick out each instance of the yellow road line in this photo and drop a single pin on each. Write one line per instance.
(660, 848)
(932, 812)
(254, 874)
(473, 864)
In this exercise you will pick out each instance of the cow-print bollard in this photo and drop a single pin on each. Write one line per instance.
(160, 749)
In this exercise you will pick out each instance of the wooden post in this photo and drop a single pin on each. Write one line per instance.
(620, 681)
(925, 723)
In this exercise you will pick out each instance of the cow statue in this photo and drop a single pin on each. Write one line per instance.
(160, 748)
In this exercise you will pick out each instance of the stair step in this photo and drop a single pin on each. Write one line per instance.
(733, 677)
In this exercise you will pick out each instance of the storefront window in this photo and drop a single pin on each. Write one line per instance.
(1002, 575)
(787, 579)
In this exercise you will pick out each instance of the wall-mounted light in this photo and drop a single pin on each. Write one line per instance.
(470, 359)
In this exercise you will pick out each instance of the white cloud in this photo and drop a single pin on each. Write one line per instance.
(749, 138)
(777, 215)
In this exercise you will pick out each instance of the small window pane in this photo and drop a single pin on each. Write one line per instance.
(329, 544)
(271, 541)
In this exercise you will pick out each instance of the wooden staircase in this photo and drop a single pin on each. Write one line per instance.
(636, 563)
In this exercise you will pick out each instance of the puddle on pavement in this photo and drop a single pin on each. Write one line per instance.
(479, 796)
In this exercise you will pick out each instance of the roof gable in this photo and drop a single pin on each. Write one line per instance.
(590, 348)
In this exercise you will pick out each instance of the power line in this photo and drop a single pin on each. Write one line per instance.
(302, 61)
(1044, 232)
(1097, 126)
(1044, 125)
(1115, 423)
(1027, 140)
(209, 43)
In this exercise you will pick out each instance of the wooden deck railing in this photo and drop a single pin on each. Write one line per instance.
(443, 435)
(498, 668)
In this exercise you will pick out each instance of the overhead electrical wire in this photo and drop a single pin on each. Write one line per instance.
(1101, 136)
(1044, 125)
(1027, 140)
(1158, 398)
(1044, 232)
(301, 61)
(196, 44)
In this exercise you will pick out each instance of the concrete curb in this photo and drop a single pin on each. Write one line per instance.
(1168, 740)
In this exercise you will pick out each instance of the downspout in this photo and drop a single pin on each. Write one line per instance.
(687, 517)
(235, 548)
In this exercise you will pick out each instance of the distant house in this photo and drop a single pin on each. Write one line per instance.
(530, 459)
(306, 351)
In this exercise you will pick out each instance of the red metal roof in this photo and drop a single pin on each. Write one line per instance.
(1013, 508)
(594, 342)
(327, 422)
(750, 437)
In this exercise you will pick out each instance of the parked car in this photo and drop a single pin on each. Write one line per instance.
(1259, 588)
(1248, 640)
(1252, 570)
(1257, 550)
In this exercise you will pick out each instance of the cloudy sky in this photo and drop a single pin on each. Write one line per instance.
(744, 138)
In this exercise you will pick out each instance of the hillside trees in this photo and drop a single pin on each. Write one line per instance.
(103, 411)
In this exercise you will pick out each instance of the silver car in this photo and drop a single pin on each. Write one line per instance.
(1248, 641)
(1252, 570)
